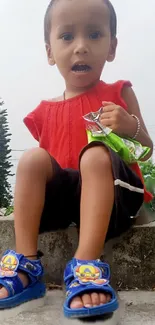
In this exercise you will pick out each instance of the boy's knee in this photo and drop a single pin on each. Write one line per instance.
(95, 158)
(34, 160)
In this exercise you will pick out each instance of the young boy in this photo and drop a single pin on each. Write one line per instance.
(66, 180)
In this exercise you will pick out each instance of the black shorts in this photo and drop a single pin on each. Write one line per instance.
(62, 198)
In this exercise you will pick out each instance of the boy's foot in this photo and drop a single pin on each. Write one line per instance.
(20, 280)
(90, 300)
(4, 293)
(88, 289)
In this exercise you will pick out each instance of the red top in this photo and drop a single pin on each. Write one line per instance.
(59, 126)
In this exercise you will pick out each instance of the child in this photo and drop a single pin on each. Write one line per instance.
(66, 180)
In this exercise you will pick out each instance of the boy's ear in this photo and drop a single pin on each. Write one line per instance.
(50, 57)
(112, 51)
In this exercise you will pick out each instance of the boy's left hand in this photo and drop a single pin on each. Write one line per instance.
(117, 118)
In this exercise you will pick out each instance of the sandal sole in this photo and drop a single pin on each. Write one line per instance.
(91, 312)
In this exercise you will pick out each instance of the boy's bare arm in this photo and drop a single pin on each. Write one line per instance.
(133, 108)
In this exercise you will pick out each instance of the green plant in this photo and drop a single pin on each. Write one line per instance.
(148, 171)
(9, 210)
(5, 164)
(148, 168)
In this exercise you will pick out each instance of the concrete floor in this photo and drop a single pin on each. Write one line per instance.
(135, 308)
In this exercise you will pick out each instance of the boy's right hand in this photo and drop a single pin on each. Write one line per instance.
(118, 119)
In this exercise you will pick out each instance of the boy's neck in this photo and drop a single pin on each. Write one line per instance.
(71, 92)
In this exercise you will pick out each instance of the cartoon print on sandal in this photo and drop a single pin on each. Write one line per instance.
(87, 274)
(8, 266)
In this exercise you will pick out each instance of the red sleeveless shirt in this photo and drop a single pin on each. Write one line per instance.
(59, 126)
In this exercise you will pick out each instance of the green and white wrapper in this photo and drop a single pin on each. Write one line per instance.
(128, 149)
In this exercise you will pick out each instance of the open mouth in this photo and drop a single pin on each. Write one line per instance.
(81, 68)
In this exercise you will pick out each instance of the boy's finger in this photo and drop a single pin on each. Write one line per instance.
(108, 108)
(107, 103)
(105, 122)
(105, 115)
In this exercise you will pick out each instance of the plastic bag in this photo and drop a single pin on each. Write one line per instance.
(128, 149)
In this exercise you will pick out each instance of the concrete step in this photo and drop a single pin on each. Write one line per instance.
(132, 256)
(133, 259)
(135, 308)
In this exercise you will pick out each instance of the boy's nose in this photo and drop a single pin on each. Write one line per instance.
(81, 48)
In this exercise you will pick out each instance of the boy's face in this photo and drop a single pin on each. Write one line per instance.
(80, 40)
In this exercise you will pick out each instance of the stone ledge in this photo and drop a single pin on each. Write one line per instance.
(132, 256)
(134, 259)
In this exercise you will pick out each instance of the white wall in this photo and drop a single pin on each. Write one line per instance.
(26, 78)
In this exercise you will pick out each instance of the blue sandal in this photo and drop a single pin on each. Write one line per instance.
(81, 277)
(10, 264)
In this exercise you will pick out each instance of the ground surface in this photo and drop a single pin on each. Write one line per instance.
(135, 308)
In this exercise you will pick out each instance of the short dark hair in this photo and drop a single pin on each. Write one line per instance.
(47, 20)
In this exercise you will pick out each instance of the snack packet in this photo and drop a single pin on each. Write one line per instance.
(128, 149)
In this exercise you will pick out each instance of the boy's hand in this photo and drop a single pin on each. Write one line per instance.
(117, 118)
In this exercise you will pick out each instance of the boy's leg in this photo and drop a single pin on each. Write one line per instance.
(97, 199)
(33, 173)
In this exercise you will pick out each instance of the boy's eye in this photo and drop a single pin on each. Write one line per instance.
(95, 35)
(67, 37)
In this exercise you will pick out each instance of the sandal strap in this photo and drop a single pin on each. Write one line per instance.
(10, 264)
(12, 285)
(87, 272)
